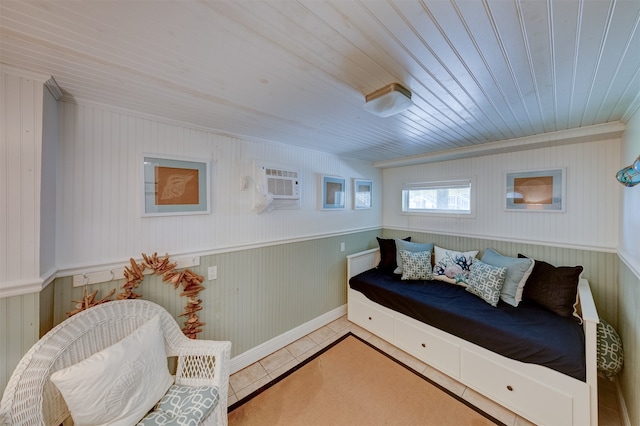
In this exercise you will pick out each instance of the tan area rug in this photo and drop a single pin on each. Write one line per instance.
(353, 383)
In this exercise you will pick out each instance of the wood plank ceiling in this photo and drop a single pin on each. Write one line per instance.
(297, 72)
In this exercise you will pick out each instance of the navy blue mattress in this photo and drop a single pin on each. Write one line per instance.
(527, 333)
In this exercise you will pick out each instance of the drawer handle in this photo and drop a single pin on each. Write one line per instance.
(510, 388)
(424, 345)
(369, 318)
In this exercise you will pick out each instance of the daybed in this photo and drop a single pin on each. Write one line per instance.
(84, 343)
(560, 392)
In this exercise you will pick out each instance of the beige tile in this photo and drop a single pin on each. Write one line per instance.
(608, 417)
(409, 360)
(340, 325)
(607, 394)
(284, 368)
(381, 344)
(322, 334)
(247, 376)
(252, 387)
(443, 380)
(359, 331)
(523, 422)
(277, 360)
(329, 341)
(232, 399)
(230, 390)
(305, 355)
(301, 346)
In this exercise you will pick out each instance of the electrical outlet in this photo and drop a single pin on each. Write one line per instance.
(342, 247)
(212, 272)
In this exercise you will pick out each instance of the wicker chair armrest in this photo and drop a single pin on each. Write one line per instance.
(203, 362)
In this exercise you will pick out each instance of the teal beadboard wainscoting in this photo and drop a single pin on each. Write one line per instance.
(19, 330)
(262, 293)
(629, 329)
(259, 293)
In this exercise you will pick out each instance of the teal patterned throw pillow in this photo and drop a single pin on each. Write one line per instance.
(416, 265)
(183, 406)
(486, 281)
(610, 355)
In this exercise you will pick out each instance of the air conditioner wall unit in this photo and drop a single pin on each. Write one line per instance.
(279, 184)
(283, 184)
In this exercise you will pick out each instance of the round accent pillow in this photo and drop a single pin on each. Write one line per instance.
(610, 356)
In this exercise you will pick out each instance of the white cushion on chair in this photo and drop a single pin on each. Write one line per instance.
(119, 384)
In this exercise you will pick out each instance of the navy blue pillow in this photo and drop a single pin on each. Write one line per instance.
(553, 287)
(388, 253)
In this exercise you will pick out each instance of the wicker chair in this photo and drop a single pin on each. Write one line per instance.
(32, 399)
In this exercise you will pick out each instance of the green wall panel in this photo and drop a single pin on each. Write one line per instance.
(19, 330)
(629, 331)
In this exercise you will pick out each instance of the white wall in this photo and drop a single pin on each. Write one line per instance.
(48, 196)
(99, 190)
(630, 199)
(20, 177)
(592, 197)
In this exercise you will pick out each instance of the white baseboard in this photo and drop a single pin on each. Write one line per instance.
(267, 348)
(622, 406)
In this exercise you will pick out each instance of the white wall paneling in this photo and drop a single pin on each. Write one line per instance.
(630, 197)
(20, 162)
(99, 218)
(48, 195)
(592, 197)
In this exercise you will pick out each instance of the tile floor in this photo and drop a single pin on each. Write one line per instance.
(256, 375)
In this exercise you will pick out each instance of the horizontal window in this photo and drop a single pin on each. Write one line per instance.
(443, 197)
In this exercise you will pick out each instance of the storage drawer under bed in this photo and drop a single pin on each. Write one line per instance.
(522, 394)
(426, 345)
(373, 319)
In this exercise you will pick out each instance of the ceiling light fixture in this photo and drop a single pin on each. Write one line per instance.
(630, 175)
(389, 100)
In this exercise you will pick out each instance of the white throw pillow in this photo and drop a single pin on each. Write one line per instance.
(120, 384)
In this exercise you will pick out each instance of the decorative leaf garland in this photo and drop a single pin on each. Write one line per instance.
(88, 300)
(134, 274)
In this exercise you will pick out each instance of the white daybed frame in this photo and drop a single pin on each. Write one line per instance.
(537, 393)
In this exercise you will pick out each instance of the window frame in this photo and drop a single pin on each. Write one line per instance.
(440, 184)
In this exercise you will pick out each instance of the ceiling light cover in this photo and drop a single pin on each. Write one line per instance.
(389, 100)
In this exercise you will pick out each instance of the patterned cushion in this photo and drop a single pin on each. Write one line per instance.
(183, 405)
(416, 265)
(409, 246)
(453, 266)
(518, 270)
(610, 356)
(486, 281)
